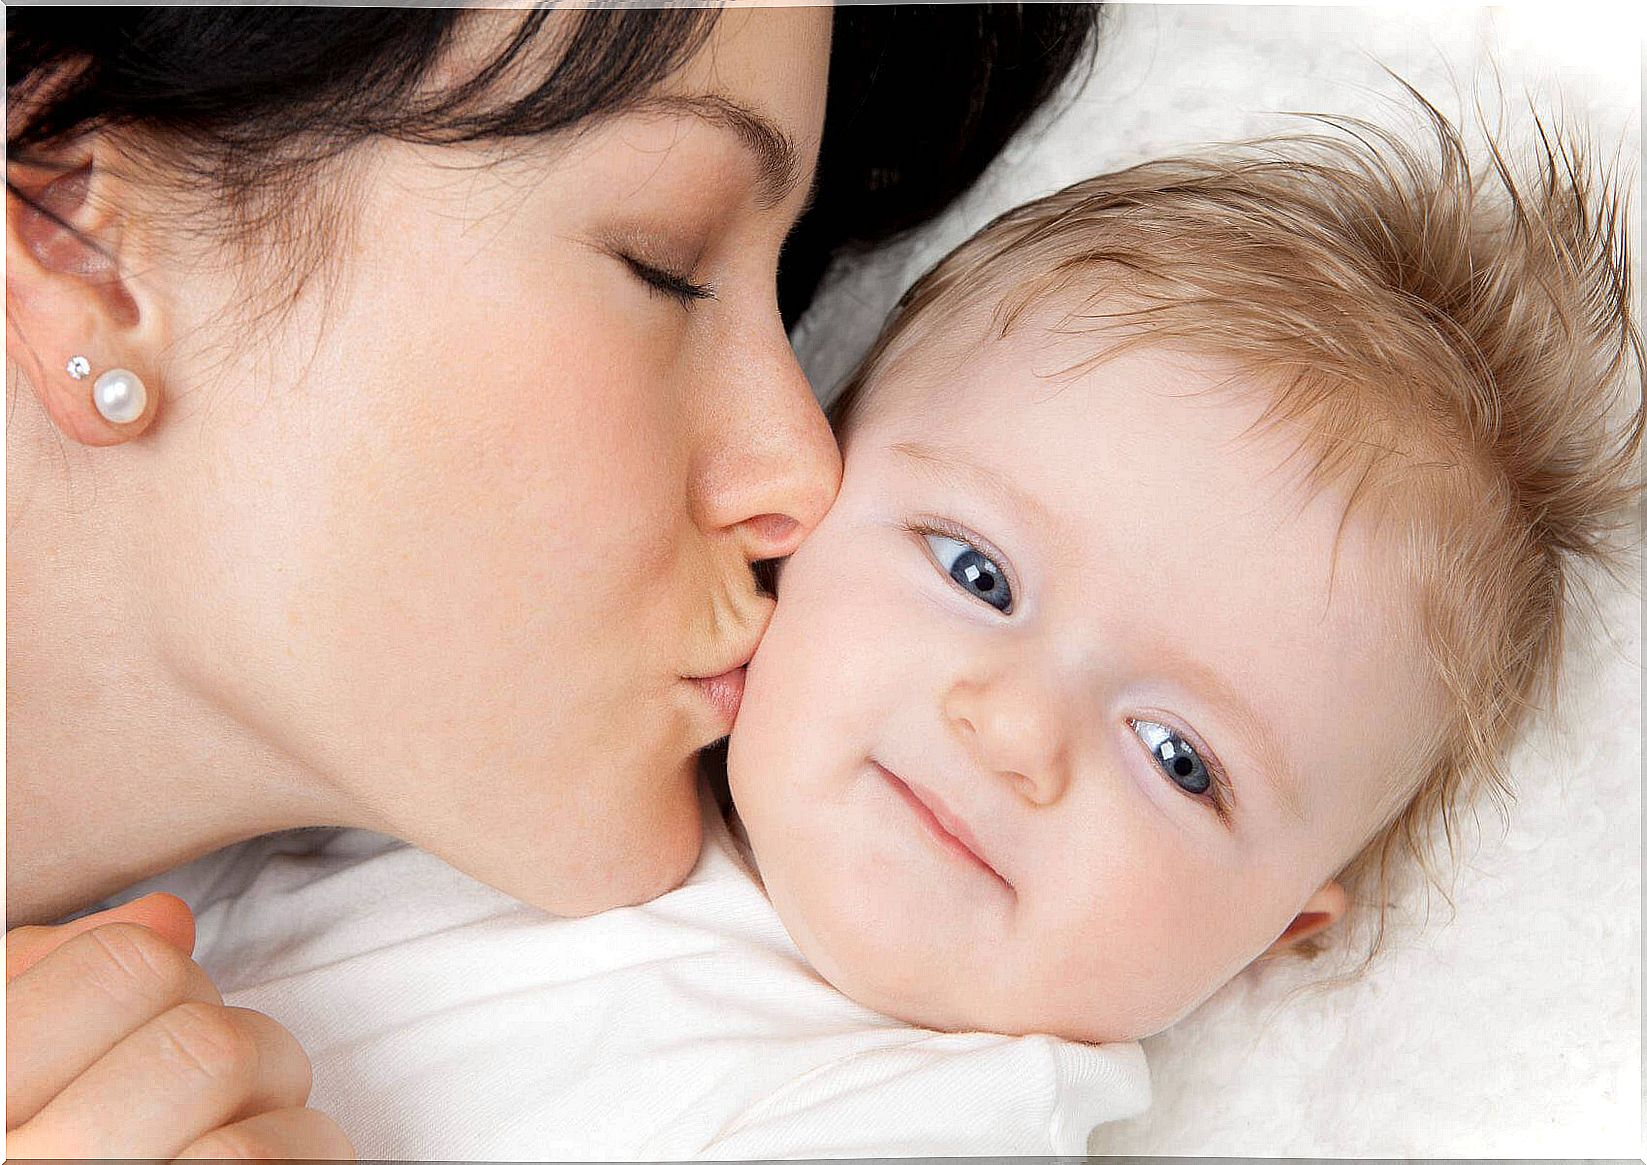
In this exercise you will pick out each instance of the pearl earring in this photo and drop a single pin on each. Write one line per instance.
(119, 395)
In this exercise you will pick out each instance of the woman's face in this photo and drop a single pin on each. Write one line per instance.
(458, 540)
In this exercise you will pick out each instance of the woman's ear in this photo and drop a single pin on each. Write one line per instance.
(68, 294)
(1325, 907)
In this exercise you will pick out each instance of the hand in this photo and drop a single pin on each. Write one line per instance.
(118, 1045)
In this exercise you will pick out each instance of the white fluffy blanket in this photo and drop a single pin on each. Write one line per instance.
(1511, 1027)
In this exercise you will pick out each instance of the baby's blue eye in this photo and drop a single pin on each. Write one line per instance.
(1175, 755)
(972, 570)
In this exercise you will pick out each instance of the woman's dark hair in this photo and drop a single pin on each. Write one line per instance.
(250, 101)
(921, 98)
(252, 79)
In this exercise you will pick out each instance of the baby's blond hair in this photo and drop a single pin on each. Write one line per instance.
(1453, 340)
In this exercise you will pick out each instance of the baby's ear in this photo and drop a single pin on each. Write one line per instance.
(1325, 907)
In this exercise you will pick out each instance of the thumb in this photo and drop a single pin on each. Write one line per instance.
(165, 914)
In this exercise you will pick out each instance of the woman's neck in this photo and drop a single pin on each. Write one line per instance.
(115, 770)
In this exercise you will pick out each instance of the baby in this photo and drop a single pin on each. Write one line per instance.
(1203, 540)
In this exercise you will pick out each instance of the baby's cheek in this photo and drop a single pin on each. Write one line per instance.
(779, 681)
(820, 644)
(1134, 939)
(782, 721)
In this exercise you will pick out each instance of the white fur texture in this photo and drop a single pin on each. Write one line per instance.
(1508, 1029)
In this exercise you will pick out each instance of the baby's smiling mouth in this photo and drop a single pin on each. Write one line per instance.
(949, 831)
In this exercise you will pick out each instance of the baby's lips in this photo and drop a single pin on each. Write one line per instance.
(942, 819)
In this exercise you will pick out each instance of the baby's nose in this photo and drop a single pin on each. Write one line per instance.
(1011, 726)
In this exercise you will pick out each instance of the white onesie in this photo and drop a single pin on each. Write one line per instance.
(446, 1020)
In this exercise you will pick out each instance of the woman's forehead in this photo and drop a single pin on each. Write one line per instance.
(771, 63)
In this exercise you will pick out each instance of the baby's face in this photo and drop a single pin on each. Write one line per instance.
(1067, 709)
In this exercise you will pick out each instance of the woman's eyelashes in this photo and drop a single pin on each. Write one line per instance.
(971, 569)
(663, 282)
(1182, 763)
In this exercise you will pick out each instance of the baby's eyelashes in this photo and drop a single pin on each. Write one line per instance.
(971, 568)
(1186, 766)
(1175, 755)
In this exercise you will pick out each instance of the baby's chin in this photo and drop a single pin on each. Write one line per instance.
(922, 990)
(955, 1011)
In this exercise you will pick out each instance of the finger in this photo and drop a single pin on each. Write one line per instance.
(292, 1134)
(165, 914)
(169, 1083)
(69, 1009)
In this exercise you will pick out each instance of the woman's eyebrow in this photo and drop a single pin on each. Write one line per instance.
(777, 164)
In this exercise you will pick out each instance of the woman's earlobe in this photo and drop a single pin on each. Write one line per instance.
(94, 406)
(119, 394)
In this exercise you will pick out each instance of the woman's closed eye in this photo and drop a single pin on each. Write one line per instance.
(1183, 763)
(663, 282)
(976, 572)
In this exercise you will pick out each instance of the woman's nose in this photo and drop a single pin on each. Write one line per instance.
(1010, 725)
(769, 468)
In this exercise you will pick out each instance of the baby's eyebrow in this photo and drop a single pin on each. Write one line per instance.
(1257, 737)
(952, 468)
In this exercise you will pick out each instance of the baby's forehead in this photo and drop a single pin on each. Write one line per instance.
(1042, 341)
(1082, 425)
(1009, 365)
(1076, 385)
(1093, 362)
